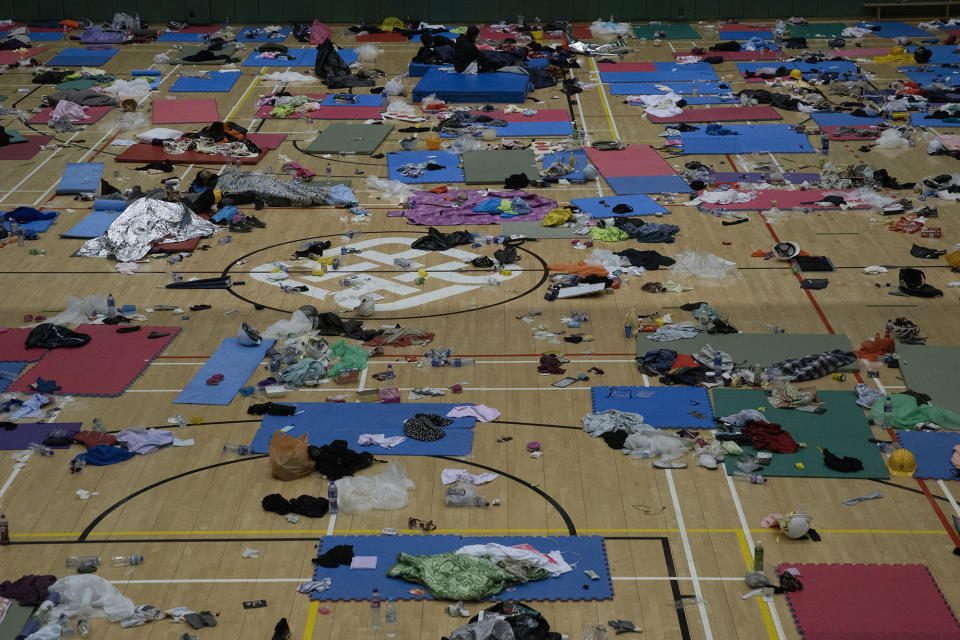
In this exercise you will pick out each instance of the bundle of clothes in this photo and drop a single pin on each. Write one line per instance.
(218, 138)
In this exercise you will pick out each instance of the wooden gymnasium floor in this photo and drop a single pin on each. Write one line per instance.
(192, 511)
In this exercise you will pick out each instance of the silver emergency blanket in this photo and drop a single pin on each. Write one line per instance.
(142, 223)
(300, 194)
(585, 48)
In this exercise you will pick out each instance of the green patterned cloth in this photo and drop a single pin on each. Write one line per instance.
(450, 576)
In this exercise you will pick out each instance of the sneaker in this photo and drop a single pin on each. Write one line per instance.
(926, 211)
(255, 221)
(242, 227)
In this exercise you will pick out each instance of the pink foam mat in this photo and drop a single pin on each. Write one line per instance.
(95, 113)
(105, 366)
(12, 57)
(188, 110)
(628, 67)
(721, 114)
(785, 200)
(24, 150)
(340, 112)
(12, 346)
(870, 601)
(766, 54)
(635, 160)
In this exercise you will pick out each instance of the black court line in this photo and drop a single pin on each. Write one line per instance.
(910, 489)
(535, 424)
(672, 573)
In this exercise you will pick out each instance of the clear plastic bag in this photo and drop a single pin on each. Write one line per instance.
(465, 143)
(123, 89)
(394, 87)
(367, 52)
(702, 264)
(90, 596)
(388, 491)
(401, 107)
(298, 324)
(393, 189)
(129, 121)
(891, 139)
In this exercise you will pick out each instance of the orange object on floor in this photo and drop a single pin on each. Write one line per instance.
(580, 268)
(876, 347)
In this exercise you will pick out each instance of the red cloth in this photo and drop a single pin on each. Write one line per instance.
(684, 360)
(876, 347)
(93, 438)
(770, 436)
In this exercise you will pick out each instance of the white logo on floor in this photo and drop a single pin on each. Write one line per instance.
(396, 291)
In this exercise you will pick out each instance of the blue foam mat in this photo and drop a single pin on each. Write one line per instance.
(13, 368)
(451, 172)
(324, 422)
(529, 130)
(82, 58)
(301, 58)
(588, 552)
(39, 226)
(93, 225)
(744, 35)
(443, 34)
(842, 119)
(777, 138)
(632, 185)
(80, 177)
(642, 206)
(924, 78)
(932, 451)
(363, 100)
(219, 81)
(101, 204)
(676, 73)
(941, 54)
(43, 36)
(181, 37)
(663, 407)
(479, 87)
(580, 162)
(920, 120)
(895, 29)
(685, 89)
(235, 361)
(242, 35)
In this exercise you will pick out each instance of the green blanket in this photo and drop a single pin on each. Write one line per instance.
(450, 576)
(907, 413)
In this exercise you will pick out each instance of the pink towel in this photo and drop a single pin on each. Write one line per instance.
(481, 412)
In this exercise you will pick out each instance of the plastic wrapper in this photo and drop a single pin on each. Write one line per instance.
(90, 596)
(298, 324)
(387, 491)
(865, 195)
(703, 265)
(401, 107)
(129, 121)
(394, 87)
(644, 444)
(367, 52)
(161, 58)
(288, 77)
(123, 89)
(891, 139)
(604, 28)
(145, 221)
(466, 142)
(393, 189)
(606, 259)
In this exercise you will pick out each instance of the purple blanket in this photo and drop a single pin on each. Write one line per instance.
(28, 432)
(98, 35)
(441, 209)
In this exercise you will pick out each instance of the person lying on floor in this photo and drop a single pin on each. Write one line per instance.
(434, 50)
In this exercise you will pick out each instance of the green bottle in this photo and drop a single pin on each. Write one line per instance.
(758, 556)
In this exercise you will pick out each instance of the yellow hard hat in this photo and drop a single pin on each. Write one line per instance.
(902, 464)
(796, 74)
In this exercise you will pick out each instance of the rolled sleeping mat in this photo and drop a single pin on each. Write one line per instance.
(145, 72)
(109, 205)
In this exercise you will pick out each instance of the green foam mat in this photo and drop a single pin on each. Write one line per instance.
(930, 369)
(14, 620)
(757, 348)
(361, 139)
(493, 167)
(673, 31)
(817, 30)
(843, 429)
(537, 230)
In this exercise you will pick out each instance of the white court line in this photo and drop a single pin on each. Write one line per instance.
(669, 578)
(943, 486)
(603, 96)
(708, 633)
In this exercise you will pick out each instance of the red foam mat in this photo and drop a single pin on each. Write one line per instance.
(870, 601)
(347, 112)
(105, 366)
(144, 153)
(267, 140)
(95, 113)
(187, 110)
(12, 347)
(784, 199)
(12, 57)
(766, 54)
(389, 36)
(177, 247)
(626, 67)
(721, 114)
(831, 133)
(24, 150)
(635, 160)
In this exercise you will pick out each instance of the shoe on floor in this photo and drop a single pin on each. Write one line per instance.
(707, 460)
(669, 464)
(215, 379)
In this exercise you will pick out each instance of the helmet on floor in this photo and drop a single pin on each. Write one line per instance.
(795, 525)
(902, 464)
(786, 250)
(796, 74)
(248, 336)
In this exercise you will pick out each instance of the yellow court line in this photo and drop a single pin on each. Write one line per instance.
(230, 532)
(243, 98)
(764, 610)
(311, 619)
(603, 101)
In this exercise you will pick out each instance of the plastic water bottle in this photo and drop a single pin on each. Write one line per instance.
(889, 330)
(758, 556)
(111, 306)
(717, 362)
(332, 492)
(375, 610)
(751, 478)
(772, 328)
(463, 494)
(66, 626)
(4, 530)
(238, 449)
(98, 425)
(83, 561)
(390, 618)
(225, 239)
(40, 449)
(83, 627)
(887, 412)
(127, 561)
